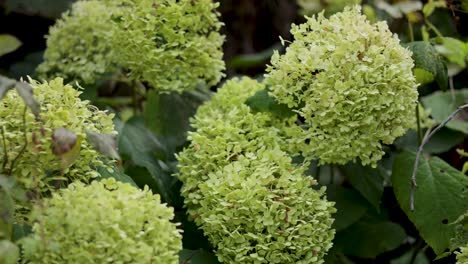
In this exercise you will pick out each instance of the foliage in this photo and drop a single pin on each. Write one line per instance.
(125, 224)
(349, 146)
(350, 81)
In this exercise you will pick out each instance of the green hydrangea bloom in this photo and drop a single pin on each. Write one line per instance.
(350, 81)
(311, 7)
(78, 45)
(60, 107)
(242, 189)
(462, 256)
(171, 45)
(105, 222)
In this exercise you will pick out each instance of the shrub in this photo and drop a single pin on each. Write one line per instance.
(242, 189)
(352, 84)
(171, 45)
(105, 222)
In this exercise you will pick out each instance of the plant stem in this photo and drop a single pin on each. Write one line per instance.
(431, 26)
(5, 153)
(418, 124)
(23, 149)
(410, 30)
(427, 136)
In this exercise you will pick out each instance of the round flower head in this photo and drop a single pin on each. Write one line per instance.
(350, 82)
(36, 166)
(78, 45)
(462, 256)
(105, 222)
(170, 45)
(242, 189)
(311, 7)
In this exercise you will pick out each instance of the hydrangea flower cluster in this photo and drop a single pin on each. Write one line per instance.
(462, 256)
(242, 189)
(311, 7)
(61, 107)
(351, 83)
(171, 45)
(104, 222)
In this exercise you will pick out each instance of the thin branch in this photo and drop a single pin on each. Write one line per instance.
(418, 124)
(23, 149)
(5, 152)
(427, 137)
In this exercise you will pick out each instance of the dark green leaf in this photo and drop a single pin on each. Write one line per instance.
(167, 115)
(9, 252)
(406, 258)
(117, 174)
(442, 104)
(8, 43)
(26, 92)
(369, 239)
(44, 8)
(105, 144)
(200, 256)
(252, 60)
(349, 204)
(368, 181)
(263, 102)
(5, 85)
(442, 141)
(143, 149)
(20, 231)
(440, 197)
(425, 57)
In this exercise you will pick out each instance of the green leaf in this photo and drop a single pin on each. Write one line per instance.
(8, 43)
(43, 8)
(406, 258)
(430, 6)
(26, 92)
(7, 210)
(20, 231)
(369, 239)
(6, 84)
(252, 60)
(426, 58)
(349, 204)
(444, 140)
(117, 174)
(142, 148)
(442, 104)
(200, 256)
(454, 50)
(66, 145)
(9, 252)
(368, 181)
(263, 102)
(423, 76)
(105, 144)
(167, 115)
(440, 197)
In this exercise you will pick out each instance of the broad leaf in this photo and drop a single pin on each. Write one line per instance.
(426, 58)
(442, 104)
(7, 210)
(263, 102)
(439, 199)
(200, 256)
(143, 149)
(26, 92)
(349, 204)
(369, 239)
(43, 8)
(368, 181)
(8, 43)
(117, 174)
(406, 258)
(454, 50)
(6, 84)
(105, 144)
(167, 115)
(444, 140)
